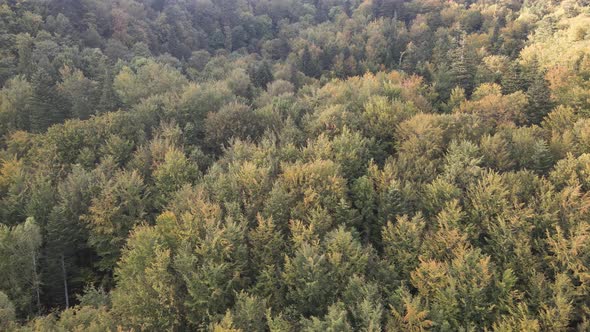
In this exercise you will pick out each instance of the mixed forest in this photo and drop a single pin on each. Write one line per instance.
(294, 165)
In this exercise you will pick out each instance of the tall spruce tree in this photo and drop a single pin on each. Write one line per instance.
(107, 101)
(260, 74)
(309, 65)
(539, 95)
(45, 105)
(512, 80)
(461, 69)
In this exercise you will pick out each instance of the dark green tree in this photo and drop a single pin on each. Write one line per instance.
(308, 64)
(539, 95)
(45, 105)
(260, 74)
(512, 80)
(461, 68)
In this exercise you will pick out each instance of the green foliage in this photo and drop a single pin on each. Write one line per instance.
(12, 186)
(307, 276)
(19, 252)
(113, 213)
(540, 103)
(79, 92)
(402, 243)
(335, 320)
(146, 296)
(212, 269)
(7, 312)
(174, 172)
(292, 165)
(15, 105)
(249, 313)
(261, 74)
(232, 121)
(364, 302)
(46, 108)
(411, 316)
(148, 78)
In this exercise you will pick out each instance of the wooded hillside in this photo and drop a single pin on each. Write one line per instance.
(294, 165)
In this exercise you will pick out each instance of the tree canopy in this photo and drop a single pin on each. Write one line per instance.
(294, 165)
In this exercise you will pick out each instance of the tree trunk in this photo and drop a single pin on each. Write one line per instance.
(36, 283)
(65, 276)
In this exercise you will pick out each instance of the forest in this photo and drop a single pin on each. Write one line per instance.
(294, 165)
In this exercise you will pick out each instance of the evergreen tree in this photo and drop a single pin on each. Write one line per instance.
(461, 69)
(67, 255)
(335, 320)
(308, 278)
(15, 100)
(45, 106)
(308, 64)
(512, 80)
(249, 313)
(540, 103)
(261, 74)
(79, 93)
(248, 187)
(107, 101)
(25, 44)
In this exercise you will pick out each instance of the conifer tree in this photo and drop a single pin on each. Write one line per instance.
(309, 65)
(25, 44)
(261, 74)
(335, 320)
(512, 79)
(462, 71)
(66, 245)
(107, 101)
(540, 103)
(45, 106)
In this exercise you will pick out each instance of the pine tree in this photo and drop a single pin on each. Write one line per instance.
(249, 313)
(461, 68)
(363, 300)
(308, 279)
(542, 157)
(211, 261)
(25, 44)
(175, 171)
(335, 320)
(309, 65)
(409, 315)
(65, 241)
(512, 80)
(267, 244)
(402, 243)
(45, 106)
(107, 102)
(540, 103)
(261, 74)
(365, 199)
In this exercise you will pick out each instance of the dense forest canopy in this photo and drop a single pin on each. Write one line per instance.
(295, 165)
